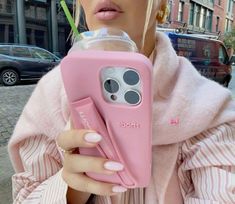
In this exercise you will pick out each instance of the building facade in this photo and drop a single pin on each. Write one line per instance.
(230, 16)
(202, 16)
(40, 22)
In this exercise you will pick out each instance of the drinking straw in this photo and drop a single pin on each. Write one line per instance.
(69, 17)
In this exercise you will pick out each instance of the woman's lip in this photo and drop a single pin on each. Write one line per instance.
(107, 15)
(108, 5)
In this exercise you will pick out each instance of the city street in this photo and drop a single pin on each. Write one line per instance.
(12, 100)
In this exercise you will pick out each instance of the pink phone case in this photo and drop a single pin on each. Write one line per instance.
(126, 129)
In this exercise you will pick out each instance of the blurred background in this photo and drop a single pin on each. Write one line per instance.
(43, 23)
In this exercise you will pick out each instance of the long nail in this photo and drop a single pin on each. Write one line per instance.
(118, 189)
(113, 166)
(92, 137)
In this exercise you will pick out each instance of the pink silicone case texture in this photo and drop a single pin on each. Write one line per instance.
(127, 130)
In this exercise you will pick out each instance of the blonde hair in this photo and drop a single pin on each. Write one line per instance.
(147, 19)
(77, 11)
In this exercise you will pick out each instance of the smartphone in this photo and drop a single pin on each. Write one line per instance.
(111, 93)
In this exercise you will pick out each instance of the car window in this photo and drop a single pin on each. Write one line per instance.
(21, 52)
(41, 54)
(5, 50)
(223, 57)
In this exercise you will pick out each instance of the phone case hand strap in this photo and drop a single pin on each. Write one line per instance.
(85, 115)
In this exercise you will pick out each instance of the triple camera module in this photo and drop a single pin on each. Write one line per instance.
(121, 85)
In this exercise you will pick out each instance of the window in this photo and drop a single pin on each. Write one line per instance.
(5, 50)
(41, 54)
(9, 6)
(21, 52)
(209, 20)
(11, 34)
(197, 15)
(181, 11)
(230, 6)
(2, 33)
(228, 25)
(28, 34)
(30, 12)
(169, 17)
(223, 57)
(191, 18)
(40, 38)
(203, 18)
(41, 13)
(217, 24)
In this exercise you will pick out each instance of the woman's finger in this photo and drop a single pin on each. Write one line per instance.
(78, 138)
(76, 163)
(83, 183)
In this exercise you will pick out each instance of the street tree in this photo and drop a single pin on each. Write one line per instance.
(229, 39)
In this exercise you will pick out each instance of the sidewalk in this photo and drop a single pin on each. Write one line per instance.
(9, 113)
(6, 171)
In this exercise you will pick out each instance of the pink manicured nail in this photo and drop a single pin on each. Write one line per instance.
(92, 137)
(113, 166)
(118, 189)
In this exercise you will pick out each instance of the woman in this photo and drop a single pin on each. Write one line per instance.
(193, 128)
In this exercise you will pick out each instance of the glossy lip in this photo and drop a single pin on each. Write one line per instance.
(107, 10)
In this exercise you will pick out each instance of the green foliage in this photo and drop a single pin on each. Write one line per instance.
(229, 39)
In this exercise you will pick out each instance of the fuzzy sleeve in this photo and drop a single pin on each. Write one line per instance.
(32, 147)
(43, 114)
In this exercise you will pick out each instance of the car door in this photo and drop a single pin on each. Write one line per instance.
(45, 59)
(29, 68)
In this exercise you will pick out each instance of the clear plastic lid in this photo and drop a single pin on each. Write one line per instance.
(108, 39)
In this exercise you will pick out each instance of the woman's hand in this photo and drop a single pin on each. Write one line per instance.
(75, 164)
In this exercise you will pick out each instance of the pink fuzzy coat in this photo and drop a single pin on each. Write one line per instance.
(180, 94)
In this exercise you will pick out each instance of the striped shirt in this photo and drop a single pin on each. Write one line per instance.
(206, 171)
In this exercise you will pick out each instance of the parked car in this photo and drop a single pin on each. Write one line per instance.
(208, 55)
(23, 62)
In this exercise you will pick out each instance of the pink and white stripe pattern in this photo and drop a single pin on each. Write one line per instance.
(206, 169)
(41, 181)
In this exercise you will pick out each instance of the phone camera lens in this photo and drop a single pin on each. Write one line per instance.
(111, 86)
(131, 77)
(132, 97)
